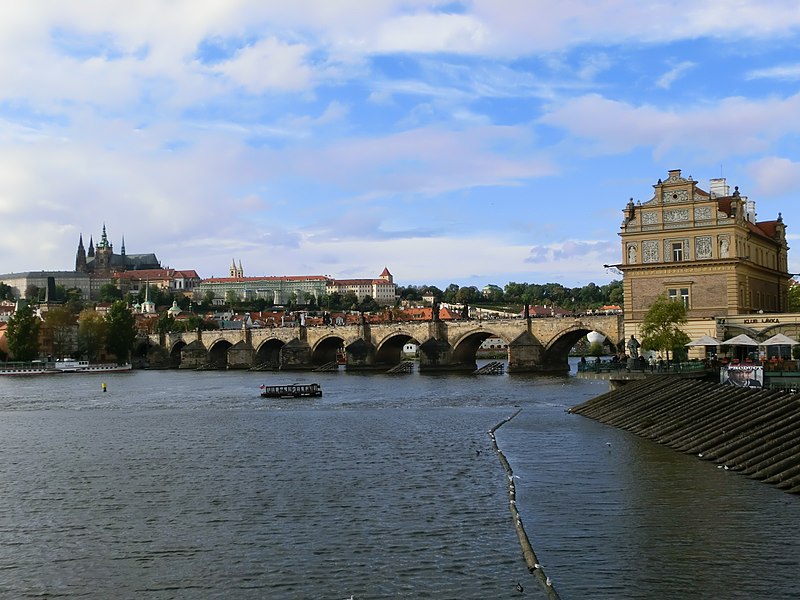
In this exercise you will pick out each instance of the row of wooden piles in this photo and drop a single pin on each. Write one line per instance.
(755, 432)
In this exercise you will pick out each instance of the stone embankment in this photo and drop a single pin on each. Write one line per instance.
(755, 432)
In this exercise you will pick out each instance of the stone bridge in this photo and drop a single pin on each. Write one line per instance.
(535, 345)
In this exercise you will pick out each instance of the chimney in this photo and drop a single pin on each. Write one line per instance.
(718, 187)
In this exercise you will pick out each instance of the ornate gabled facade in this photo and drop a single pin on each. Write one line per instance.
(704, 248)
(101, 260)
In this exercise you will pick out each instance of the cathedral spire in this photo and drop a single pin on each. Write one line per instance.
(80, 257)
(103, 239)
(122, 252)
(90, 253)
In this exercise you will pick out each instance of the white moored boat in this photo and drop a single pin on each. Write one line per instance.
(64, 365)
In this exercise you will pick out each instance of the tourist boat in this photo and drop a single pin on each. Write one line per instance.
(64, 365)
(69, 365)
(296, 390)
(36, 367)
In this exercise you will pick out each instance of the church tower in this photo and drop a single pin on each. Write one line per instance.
(80, 257)
(235, 271)
(103, 252)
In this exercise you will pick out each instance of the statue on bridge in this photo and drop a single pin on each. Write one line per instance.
(633, 347)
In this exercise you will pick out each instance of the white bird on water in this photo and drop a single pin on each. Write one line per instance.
(548, 582)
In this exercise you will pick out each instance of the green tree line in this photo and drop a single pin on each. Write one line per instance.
(65, 333)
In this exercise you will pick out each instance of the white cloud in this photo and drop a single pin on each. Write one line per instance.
(675, 73)
(782, 72)
(269, 65)
(728, 127)
(774, 175)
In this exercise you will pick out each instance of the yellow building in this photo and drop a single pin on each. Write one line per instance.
(705, 249)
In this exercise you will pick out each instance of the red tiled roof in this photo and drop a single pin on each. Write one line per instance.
(271, 278)
(146, 274)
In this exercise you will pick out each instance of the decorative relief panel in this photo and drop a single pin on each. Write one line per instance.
(702, 213)
(676, 215)
(650, 251)
(676, 196)
(649, 218)
(702, 247)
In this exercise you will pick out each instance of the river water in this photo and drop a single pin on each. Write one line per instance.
(189, 485)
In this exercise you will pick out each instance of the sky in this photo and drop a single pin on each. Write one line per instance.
(476, 142)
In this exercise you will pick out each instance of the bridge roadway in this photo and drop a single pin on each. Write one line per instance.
(534, 345)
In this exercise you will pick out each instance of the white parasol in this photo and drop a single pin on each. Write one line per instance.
(706, 340)
(740, 340)
(779, 340)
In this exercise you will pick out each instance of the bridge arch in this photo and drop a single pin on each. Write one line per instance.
(389, 350)
(218, 354)
(268, 354)
(326, 349)
(556, 351)
(465, 349)
(175, 354)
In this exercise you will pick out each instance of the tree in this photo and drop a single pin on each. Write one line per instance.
(6, 292)
(92, 330)
(165, 323)
(468, 295)
(450, 293)
(794, 297)
(121, 331)
(350, 300)
(231, 298)
(368, 304)
(23, 334)
(109, 293)
(660, 327)
(596, 349)
(61, 329)
(33, 293)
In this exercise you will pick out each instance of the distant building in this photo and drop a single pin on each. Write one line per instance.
(280, 290)
(102, 260)
(26, 282)
(381, 289)
(178, 281)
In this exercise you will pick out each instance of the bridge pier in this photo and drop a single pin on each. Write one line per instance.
(194, 355)
(436, 355)
(296, 355)
(361, 356)
(241, 355)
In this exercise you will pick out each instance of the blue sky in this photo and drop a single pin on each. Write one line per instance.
(452, 142)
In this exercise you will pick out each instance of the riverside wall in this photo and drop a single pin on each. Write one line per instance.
(754, 432)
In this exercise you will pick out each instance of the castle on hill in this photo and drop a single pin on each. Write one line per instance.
(101, 260)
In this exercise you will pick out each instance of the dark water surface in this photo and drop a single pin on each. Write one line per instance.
(188, 485)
